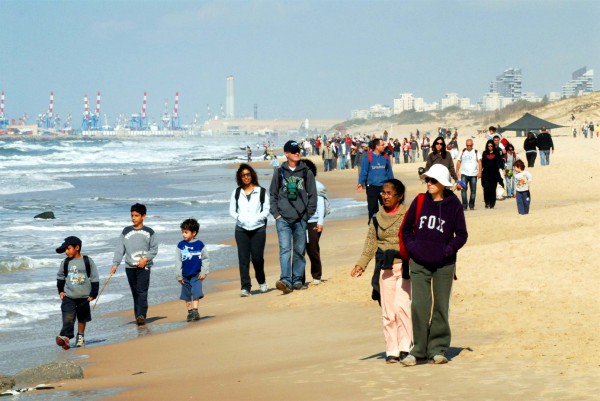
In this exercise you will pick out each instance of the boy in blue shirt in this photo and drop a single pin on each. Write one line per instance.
(77, 282)
(192, 263)
(375, 169)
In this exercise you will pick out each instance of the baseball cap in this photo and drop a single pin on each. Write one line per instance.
(291, 147)
(73, 241)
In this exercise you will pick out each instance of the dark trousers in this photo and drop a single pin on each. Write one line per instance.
(523, 201)
(430, 307)
(373, 200)
(74, 309)
(314, 251)
(139, 282)
(489, 195)
(531, 158)
(251, 247)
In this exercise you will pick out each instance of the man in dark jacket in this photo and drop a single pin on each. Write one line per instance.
(293, 200)
(545, 145)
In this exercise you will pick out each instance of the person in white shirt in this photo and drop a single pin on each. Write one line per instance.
(249, 206)
(469, 168)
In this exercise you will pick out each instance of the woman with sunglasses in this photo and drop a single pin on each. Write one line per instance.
(249, 206)
(439, 155)
(432, 239)
(491, 164)
(390, 281)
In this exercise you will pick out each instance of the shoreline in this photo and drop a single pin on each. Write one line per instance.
(523, 312)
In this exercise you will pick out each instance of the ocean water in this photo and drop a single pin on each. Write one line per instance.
(90, 185)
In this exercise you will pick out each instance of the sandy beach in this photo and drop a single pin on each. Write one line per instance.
(525, 312)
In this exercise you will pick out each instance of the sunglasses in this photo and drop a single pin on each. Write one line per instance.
(438, 143)
(245, 175)
(431, 181)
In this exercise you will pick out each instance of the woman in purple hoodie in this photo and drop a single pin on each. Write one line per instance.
(433, 239)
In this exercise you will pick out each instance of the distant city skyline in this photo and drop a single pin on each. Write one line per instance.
(290, 59)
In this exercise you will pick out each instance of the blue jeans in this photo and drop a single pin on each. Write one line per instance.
(291, 234)
(327, 164)
(545, 157)
(470, 181)
(510, 185)
(397, 157)
(523, 201)
(342, 162)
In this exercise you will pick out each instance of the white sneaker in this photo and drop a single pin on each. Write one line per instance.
(439, 359)
(264, 287)
(80, 342)
(245, 293)
(316, 282)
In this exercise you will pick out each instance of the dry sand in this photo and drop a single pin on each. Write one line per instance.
(525, 313)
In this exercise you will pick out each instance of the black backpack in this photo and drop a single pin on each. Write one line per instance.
(86, 261)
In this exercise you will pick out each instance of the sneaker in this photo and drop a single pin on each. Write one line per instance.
(403, 354)
(264, 287)
(316, 282)
(245, 293)
(392, 359)
(283, 287)
(298, 285)
(410, 360)
(63, 342)
(140, 320)
(195, 315)
(190, 316)
(439, 359)
(79, 342)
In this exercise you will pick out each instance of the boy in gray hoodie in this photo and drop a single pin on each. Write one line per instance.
(139, 246)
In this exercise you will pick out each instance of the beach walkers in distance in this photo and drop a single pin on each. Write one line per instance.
(545, 145)
(138, 244)
(390, 281)
(432, 238)
(78, 282)
(491, 164)
(192, 263)
(249, 206)
(293, 200)
(375, 169)
(315, 227)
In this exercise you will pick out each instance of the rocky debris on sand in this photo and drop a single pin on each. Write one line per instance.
(6, 382)
(49, 373)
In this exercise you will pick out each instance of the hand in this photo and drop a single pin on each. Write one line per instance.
(142, 262)
(319, 228)
(90, 299)
(61, 295)
(359, 188)
(357, 271)
(180, 281)
(201, 276)
(113, 269)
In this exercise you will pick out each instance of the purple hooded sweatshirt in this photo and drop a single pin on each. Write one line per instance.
(440, 231)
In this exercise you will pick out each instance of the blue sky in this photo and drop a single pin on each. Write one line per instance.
(294, 59)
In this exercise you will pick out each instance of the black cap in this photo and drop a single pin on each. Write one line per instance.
(68, 241)
(291, 147)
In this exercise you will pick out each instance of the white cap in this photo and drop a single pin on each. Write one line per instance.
(440, 173)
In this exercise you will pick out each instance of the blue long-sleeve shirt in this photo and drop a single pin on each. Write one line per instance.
(375, 172)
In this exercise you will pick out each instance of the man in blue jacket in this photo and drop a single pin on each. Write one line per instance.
(375, 169)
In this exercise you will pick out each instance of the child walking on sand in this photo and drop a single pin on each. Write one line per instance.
(139, 246)
(523, 180)
(192, 263)
(77, 281)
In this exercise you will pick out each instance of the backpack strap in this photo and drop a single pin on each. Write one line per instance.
(376, 225)
(86, 262)
(237, 197)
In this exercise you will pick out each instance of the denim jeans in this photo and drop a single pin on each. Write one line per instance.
(291, 235)
(545, 157)
(397, 157)
(510, 185)
(342, 162)
(470, 181)
(425, 153)
(523, 201)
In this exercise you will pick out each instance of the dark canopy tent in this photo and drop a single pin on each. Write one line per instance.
(529, 122)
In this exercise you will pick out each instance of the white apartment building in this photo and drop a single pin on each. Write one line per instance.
(582, 83)
(406, 101)
(493, 101)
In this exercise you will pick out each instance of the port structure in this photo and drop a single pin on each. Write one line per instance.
(139, 121)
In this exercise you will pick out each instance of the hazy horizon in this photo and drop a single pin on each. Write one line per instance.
(294, 59)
